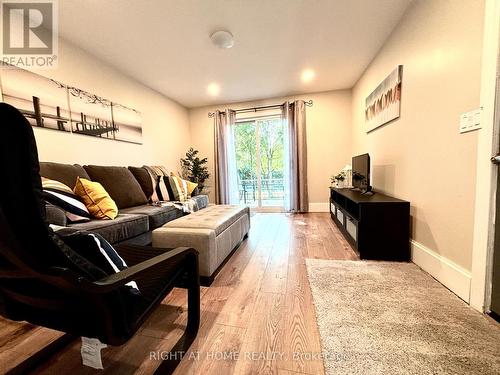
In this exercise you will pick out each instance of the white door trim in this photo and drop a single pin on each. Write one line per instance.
(257, 163)
(486, 173)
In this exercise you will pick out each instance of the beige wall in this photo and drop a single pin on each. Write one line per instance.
(422, 157)
(165, 123)
(328, 137)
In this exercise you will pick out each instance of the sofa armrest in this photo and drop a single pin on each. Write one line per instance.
(55, 215)
(201, 200)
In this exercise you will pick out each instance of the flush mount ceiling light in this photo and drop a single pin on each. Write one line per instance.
(213, 89)
(308, 75)
(222, 39)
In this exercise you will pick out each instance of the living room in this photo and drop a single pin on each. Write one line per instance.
(327, 238)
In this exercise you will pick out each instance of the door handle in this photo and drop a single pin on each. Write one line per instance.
(496, 159)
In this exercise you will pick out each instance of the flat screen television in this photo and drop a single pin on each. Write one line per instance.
(361, 172)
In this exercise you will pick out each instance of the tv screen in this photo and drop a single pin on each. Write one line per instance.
(361, 172)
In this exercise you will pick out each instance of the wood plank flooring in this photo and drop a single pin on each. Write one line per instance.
(257, 317)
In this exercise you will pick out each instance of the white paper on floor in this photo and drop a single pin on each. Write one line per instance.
(91, 352)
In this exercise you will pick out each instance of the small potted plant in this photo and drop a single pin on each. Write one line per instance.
(194, 169)
(339, 180)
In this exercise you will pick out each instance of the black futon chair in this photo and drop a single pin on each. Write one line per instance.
(47, 283)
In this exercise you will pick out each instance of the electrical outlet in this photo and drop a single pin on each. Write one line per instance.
(470, 121)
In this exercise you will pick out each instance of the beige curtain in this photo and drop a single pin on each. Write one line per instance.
(226, 182)
(294, 115)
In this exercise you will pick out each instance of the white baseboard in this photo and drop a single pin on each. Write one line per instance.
(451, 275)
(319, 207)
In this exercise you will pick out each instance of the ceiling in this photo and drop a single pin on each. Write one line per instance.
(165, 44)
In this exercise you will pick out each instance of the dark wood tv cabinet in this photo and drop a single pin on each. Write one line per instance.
(377, 226)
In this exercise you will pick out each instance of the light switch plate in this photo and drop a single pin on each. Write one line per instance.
(470, 121)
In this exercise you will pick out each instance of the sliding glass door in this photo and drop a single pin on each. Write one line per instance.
(260, 152)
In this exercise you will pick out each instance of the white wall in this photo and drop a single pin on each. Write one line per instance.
(328, 138)
(165, 124)
(422, 157)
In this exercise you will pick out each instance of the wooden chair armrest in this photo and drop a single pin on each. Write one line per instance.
(119, 279)
(135, 254)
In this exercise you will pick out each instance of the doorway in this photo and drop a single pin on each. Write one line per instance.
(260, 162)
(495, 271)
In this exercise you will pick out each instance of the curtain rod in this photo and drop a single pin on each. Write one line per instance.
(308, 103)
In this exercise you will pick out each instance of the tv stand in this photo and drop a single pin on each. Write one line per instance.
(376, 225)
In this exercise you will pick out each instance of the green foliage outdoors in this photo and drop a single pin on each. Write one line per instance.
(271, 151)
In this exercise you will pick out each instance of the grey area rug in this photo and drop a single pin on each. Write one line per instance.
(393, 318)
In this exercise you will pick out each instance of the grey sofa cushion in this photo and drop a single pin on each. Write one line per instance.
(120, 184)
(144, 179)
(157, 215)
(140, 240)
(65, 173)
(125, 226)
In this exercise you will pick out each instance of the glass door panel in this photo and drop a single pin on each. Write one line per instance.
(246, 162)
(271, 147)
(259, 149)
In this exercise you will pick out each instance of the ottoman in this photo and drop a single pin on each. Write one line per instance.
(214, 231)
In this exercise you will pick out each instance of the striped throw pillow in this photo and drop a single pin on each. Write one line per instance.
(179, 188)
(95, 249)
(62, 196)
(159, 179)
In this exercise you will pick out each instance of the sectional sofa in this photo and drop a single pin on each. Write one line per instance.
(129, 188)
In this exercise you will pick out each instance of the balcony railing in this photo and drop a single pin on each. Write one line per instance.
(272, 189)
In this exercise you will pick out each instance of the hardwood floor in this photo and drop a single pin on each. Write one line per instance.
(257, 317)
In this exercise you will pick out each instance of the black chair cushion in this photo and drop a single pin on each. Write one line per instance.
(22, 206)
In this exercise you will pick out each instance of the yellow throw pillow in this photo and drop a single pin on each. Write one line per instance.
(191, 186)
(96, 199)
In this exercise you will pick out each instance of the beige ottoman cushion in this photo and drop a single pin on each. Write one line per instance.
(214, 231)
(217, 217)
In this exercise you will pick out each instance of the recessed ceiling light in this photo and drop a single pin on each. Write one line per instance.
(213, 89)
(308, 75)
(222, 39)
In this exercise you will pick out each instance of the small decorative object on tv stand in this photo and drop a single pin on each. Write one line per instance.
(339, 180)
(377, 226)
(347, 170)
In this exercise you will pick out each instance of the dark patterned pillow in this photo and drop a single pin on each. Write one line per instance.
(159, 179)
(62, 196)
(95, 249)
(171, 194)
(143, 178)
